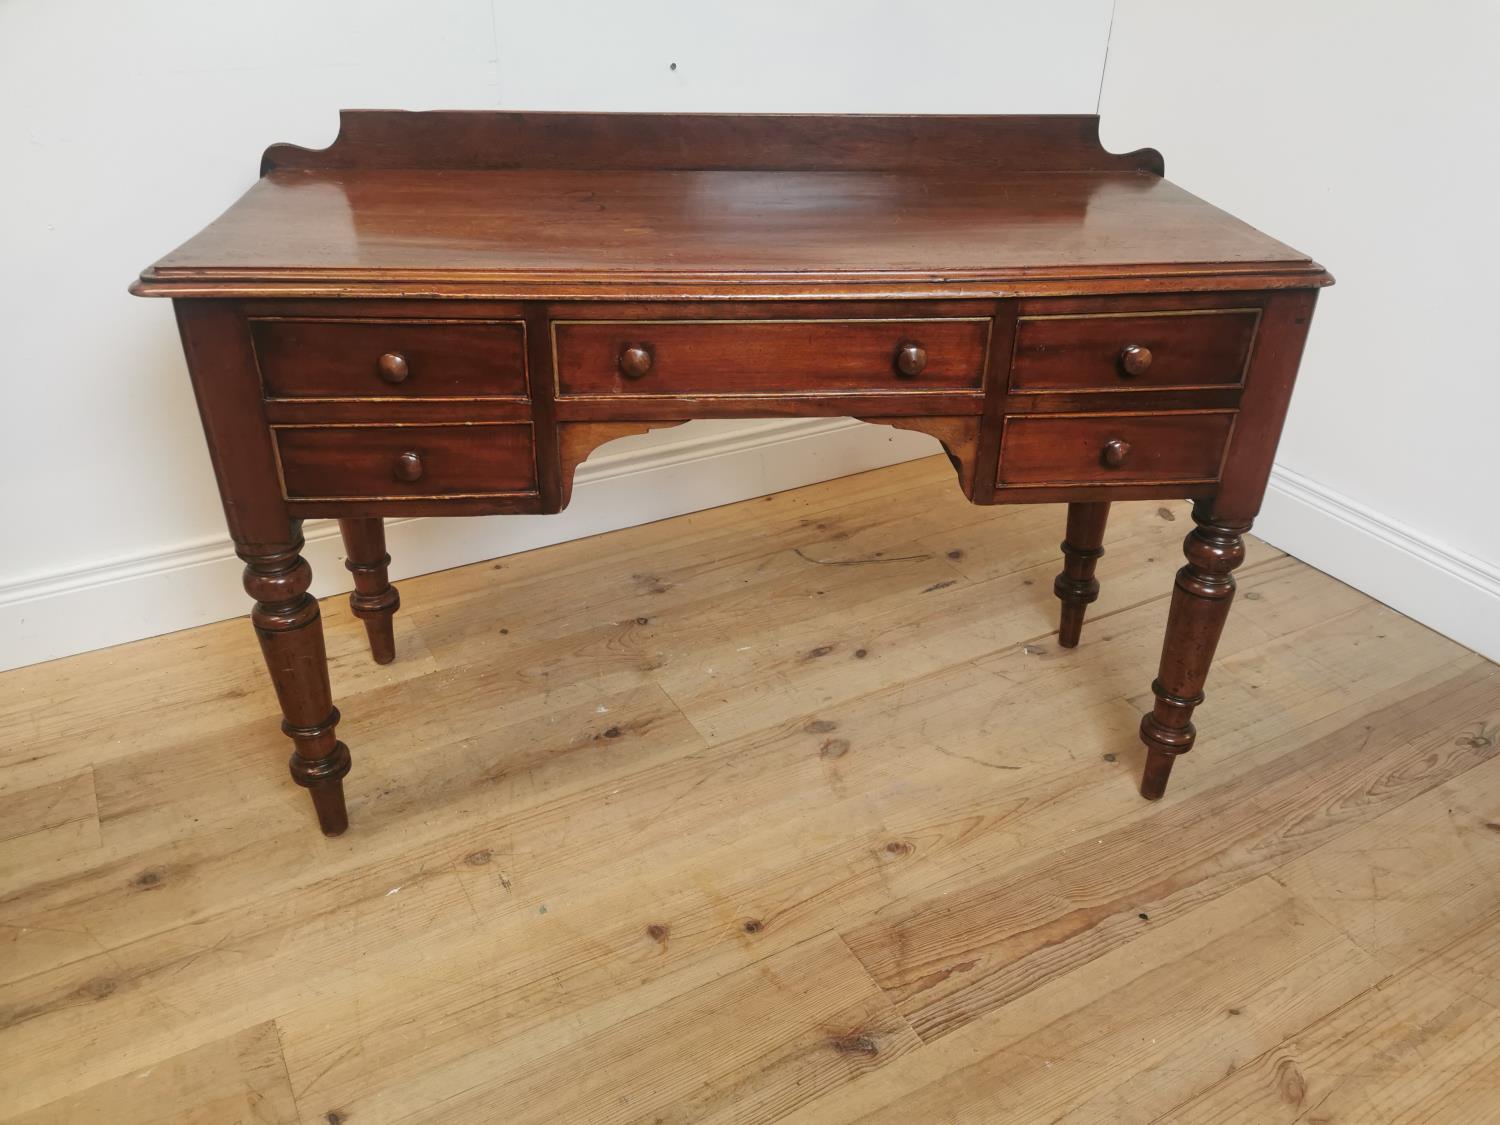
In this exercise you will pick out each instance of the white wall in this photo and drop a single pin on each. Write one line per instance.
(127, 126)
(1364, 134)
(1361, 133)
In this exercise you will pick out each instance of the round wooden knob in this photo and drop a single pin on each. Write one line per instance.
(1135, 359)
(911, 360)
(392, 367)
(408, 467)
(635, 361)
(1115, 452)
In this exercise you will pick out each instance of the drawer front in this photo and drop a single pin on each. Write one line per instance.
(1120, 351)
(767, 357)
(405, 462)
(362, 359)
(1040, 449)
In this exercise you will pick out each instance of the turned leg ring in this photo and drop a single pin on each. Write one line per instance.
(290, 628)
(1076, 587)
(374, 600)
(1200, 604)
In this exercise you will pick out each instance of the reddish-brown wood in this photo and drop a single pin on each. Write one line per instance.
(543, 409)
(1076, 586)
(406, 461)
(379, 358)
(1200, 603)
(635, 361)
(911, 360)
(462, 140)
(783, 404)
(1263, 406)
(409, 466)
(1113, 448)
(1135, 359)
(226, 383)
(526, 233)
(776, 355)
(1115, 453)
(1112, 351)
(290, 627)
(393, 368)
(374, 600)
(538, 205)
(444, 313)
(1103, 401)
(959, 438)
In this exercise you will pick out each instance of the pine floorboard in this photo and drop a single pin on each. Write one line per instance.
(791, 811)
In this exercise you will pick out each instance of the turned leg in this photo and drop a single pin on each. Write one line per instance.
(291, 637)
(1076, 585)
(374, 600)
(1200, 603)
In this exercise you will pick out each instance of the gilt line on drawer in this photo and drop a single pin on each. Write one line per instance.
(300, 399)
(1136, 313)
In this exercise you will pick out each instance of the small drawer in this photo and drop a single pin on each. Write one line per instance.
(1121, 351)
(736, 358)
(1040, 449)
(365, 359)
(358, 462)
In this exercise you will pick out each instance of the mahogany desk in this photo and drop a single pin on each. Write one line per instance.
(444, 313)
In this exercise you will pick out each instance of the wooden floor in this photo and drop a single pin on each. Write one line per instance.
(788, 811)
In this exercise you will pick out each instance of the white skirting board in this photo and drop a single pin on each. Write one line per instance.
(1446, 590)
(125, 600)
(46, 617)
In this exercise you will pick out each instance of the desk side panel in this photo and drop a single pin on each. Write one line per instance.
(221, 364)
(1285, 321)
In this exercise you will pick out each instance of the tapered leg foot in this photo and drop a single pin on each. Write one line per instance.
(290, 628)
(1200, 605)
(1076, 586)
(374, 600)
(328, 803)
(324, 781)
(1154, 777)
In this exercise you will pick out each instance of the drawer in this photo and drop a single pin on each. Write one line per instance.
(405, 462)
(768, 357)
(1039, 449)
(1121, 351)
(361, 359)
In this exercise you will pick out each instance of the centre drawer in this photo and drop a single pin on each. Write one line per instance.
(309, 357)
(360, 462)
(740, 358)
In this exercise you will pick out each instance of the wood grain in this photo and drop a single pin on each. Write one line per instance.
(456, 139)
(240, 1079)
(38, 822)
(1203, 348)
(559, 205)
(1433, 1022)
(786, 230)
(788, 356)
(657, 861)
(312, 357)
(466, 459)
(1072, 449)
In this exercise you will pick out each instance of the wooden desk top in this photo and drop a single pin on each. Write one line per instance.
(639, 205)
